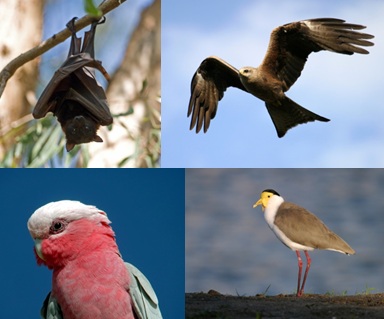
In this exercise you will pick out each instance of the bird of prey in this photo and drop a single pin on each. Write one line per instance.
(288, 50)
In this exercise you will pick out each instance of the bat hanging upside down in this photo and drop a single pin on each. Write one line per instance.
(73, 94)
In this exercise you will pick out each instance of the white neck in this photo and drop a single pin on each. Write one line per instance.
(271, 210)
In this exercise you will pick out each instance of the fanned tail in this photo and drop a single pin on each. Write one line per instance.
(289, 114)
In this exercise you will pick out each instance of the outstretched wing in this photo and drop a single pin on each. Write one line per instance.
(290, 45)
(144, 298)
(209, 82)
(51, 309)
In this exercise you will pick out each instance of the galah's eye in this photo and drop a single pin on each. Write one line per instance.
(57, 227)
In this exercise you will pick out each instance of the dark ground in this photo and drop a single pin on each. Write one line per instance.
(216, 306)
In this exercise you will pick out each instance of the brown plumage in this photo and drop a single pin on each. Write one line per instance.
(288, 50)
(304, 228)
(299, 230)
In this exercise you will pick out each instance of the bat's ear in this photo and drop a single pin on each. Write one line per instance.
(98, 139)
(69, 146)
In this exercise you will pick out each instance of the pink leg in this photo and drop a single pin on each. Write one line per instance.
(306, 271)
(300, 264)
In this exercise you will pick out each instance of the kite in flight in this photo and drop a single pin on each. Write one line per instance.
(288, 50)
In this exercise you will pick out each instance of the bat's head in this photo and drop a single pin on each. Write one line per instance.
(81, 129)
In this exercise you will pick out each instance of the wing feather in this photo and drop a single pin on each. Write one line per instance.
(209, 82)
(291, 44)
(51, 309)
(145, 302)
(318, 236)
(143, 296)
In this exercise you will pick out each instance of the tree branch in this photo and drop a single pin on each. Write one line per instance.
(11, 67)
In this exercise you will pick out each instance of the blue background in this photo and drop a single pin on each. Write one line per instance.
(146, 208)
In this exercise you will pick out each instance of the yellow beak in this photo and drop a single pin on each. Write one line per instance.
(259, 202)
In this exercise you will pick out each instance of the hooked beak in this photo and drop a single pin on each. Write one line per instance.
(38, 248)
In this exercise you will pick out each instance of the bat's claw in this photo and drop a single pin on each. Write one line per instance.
(71, 24)
(102, 20)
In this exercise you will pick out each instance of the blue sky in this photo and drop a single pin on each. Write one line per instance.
(342, 88)
(111, 37)
(146, 208)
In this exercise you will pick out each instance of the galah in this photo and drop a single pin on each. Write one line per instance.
(90, 279)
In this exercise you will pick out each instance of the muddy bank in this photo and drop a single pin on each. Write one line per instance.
(216, 306)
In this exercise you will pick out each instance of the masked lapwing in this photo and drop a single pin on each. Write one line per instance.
(299, 229)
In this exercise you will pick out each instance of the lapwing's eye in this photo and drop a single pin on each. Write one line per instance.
(57, 227)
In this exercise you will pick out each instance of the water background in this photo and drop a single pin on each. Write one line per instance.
(230, 248)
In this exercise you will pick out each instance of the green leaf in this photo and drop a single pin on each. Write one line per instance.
(91, 9)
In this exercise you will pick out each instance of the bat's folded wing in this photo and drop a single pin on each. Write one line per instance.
(61, 82)
(90, 95)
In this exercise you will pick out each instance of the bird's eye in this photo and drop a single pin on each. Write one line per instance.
(57, 227)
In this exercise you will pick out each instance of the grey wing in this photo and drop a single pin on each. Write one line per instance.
(209, 82)
(291, 44)
(145, 302)
(51, 309)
